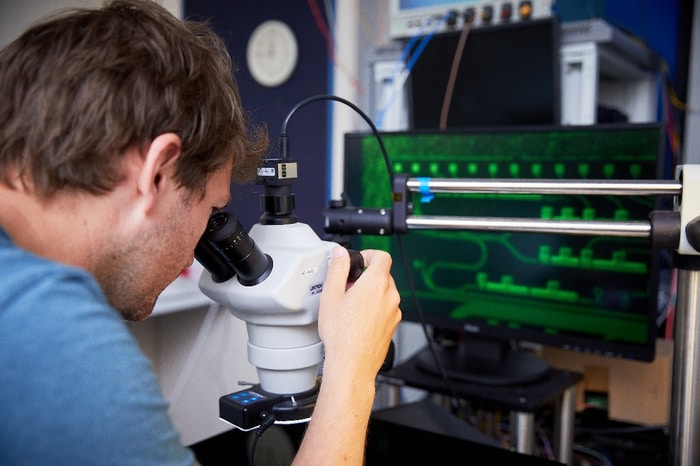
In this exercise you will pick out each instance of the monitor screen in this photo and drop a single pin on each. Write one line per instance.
(508, 75)
(595, 294)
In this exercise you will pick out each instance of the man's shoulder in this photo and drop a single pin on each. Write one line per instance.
(74, 386)
(44, 300)
(25, 274)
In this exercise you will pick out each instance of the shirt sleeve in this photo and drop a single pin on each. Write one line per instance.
(74, 386)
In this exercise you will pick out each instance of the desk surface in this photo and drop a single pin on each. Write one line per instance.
(524, 397)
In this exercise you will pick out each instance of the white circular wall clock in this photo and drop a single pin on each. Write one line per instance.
(272, 53)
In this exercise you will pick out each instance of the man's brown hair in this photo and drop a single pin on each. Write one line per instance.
(88, 84)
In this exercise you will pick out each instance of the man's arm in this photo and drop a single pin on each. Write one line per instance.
(356, 324)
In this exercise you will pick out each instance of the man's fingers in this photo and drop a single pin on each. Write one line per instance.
(338, 269)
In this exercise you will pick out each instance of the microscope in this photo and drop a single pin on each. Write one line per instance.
(272, 278)
(276, 292)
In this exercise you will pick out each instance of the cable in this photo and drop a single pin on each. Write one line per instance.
(454, 70)
(330, 14)
(546, 444)
(284, 154)
(283, 133)
(330, 45)
(268, 419)
(671, 125)
(603, 459)
(403, 69)
(406, 52)
(630, 429)
(424, 326)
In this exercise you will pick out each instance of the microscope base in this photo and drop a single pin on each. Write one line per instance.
(246, 409)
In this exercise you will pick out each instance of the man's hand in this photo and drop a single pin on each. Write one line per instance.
(357, 319)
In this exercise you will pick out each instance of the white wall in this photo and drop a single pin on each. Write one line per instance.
(17, 15)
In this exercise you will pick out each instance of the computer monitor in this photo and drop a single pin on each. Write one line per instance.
(596, 294)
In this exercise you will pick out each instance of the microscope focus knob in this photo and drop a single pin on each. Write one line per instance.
(692, 233)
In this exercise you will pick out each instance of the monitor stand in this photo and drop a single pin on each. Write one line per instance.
(483, 361)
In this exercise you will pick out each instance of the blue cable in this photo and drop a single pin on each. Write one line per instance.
(400, 68)
(400, 65)
(423, 44)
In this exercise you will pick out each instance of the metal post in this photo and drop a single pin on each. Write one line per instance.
(522, 431)
(685, 402)
(564, 426)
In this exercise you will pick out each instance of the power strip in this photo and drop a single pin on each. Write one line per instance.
(409, 18)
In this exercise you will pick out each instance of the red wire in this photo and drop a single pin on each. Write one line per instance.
(671, 131)
(325, 32)
(671, 308)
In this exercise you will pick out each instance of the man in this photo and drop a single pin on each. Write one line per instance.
(121, 130)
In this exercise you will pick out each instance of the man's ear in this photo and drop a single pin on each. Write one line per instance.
(158, 168)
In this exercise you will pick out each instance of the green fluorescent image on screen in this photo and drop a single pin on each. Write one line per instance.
(588, 293)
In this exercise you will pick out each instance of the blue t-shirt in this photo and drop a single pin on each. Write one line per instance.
(75, 389)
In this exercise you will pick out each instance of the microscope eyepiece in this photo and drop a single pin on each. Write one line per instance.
(226, 250)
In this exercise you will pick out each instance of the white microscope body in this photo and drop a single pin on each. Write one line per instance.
(281, 311)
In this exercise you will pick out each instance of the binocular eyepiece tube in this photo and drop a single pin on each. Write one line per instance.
(226, 250)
